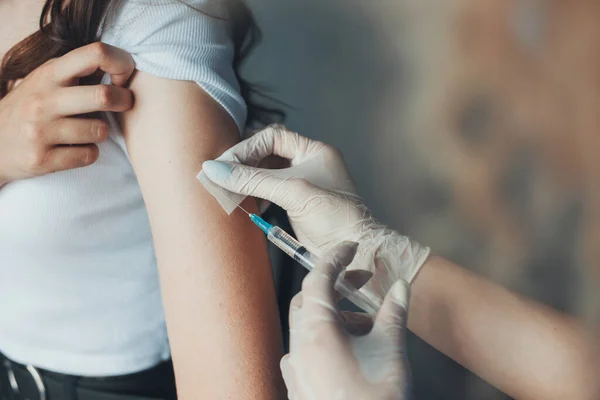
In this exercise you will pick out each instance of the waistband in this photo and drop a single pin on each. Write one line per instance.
(20, 382)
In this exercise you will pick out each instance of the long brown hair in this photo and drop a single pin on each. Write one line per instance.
(67, 26)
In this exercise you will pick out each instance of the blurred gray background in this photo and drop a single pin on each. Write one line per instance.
(457, 131)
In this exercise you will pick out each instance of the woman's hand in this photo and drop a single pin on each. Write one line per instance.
(326, 361)
(40, 131)
(321, 216)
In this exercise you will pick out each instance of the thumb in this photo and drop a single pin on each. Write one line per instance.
(393, 314)
(289, 378)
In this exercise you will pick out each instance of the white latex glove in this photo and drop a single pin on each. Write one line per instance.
(324, 208)
(326, 362)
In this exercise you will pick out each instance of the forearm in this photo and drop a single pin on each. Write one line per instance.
(527, 350)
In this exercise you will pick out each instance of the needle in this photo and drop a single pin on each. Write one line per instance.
(237, 205)
(242, 208)
(294, 249)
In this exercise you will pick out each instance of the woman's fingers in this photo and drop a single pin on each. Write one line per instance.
(76, 100)
(45, 102)
(64, 158)
(76, 131)
(86, 60)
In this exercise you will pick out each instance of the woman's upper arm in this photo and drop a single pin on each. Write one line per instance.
(214, 269)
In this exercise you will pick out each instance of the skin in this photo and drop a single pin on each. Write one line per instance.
(214, 269)
(19, 19)
(41, 125)
(527, 350)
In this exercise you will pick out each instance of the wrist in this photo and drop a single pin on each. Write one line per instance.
(403, 256)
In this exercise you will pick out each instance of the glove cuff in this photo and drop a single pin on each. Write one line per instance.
(391, 257)
(420, 255)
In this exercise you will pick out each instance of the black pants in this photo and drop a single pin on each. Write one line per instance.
(157, 383)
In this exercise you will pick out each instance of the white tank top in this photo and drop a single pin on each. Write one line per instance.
(79, 290)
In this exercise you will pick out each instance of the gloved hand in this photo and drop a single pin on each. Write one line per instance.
(328, 362)
(323, 215)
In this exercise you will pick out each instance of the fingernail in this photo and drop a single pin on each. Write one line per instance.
(400, 293)
(349, 246)
(345, 252)
(217, 170)
(227, 156)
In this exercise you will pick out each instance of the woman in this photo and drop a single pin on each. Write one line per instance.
(525, 349)
(81, 297)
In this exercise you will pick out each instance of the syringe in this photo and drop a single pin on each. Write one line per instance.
(294, 249)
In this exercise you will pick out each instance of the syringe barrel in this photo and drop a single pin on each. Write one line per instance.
(291, 247)
(294, 249)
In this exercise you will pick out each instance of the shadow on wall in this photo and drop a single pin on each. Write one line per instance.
(342, 69)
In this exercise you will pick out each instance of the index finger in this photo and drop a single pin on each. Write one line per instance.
(86, 60)
(275, 140)
(318, 288)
